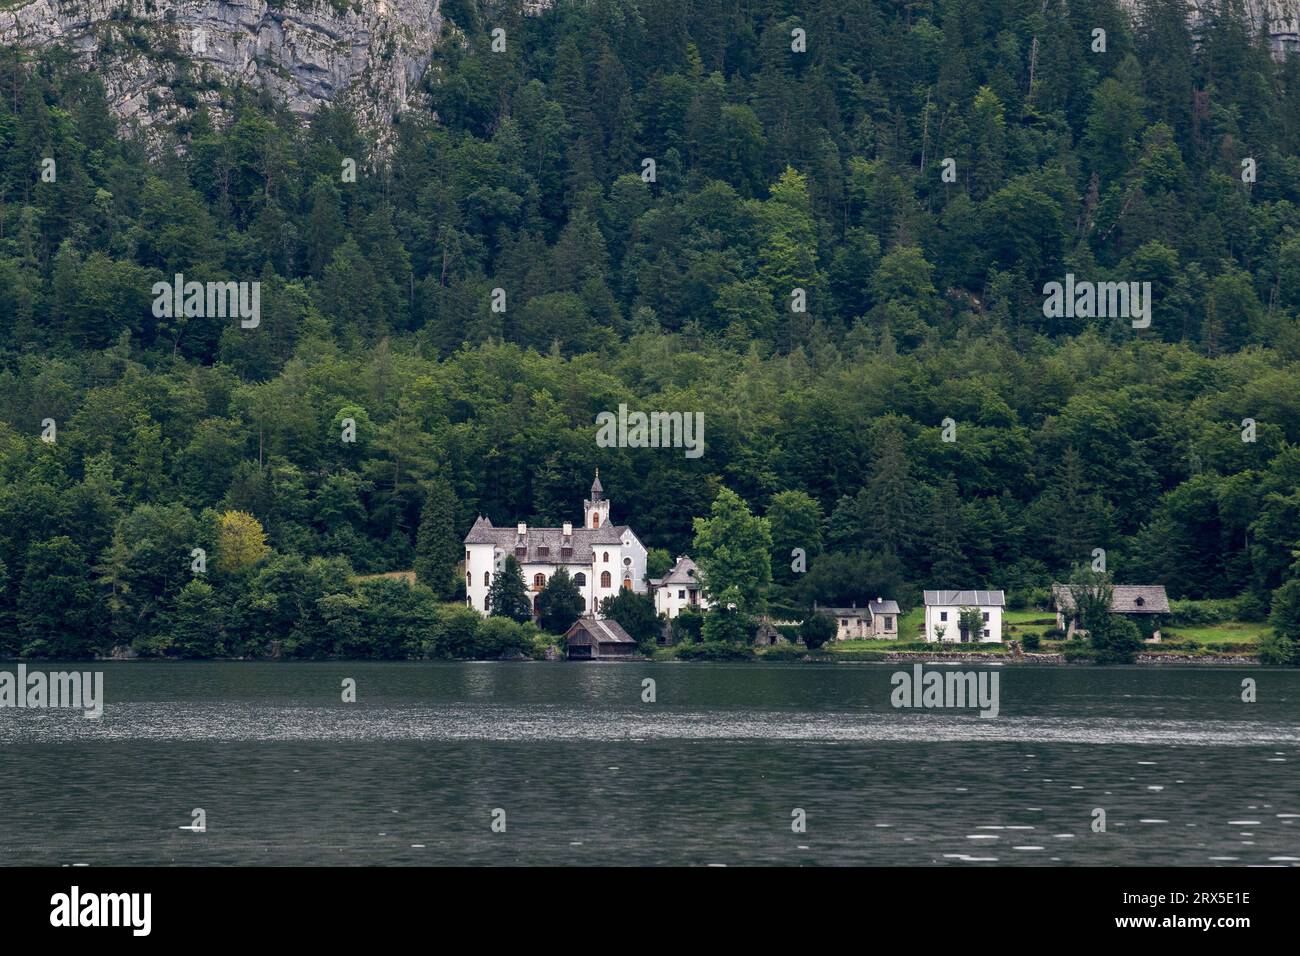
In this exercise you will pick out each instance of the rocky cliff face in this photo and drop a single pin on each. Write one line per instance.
(1279, 20)
(160, 59)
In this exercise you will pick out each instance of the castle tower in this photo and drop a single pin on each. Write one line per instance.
(596, 508)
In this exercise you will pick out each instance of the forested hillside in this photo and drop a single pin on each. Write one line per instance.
(774, 170)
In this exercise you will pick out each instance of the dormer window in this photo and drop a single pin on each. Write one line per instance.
(1139, 601)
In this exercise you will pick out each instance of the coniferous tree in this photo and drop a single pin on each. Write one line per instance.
(560, 603)
(507, 595)
(437, 546)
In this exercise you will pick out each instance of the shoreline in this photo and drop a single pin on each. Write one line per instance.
(886, 657)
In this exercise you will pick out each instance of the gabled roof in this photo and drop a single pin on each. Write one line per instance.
(1125, 598)
(867, 608)
(682, 574)
(589, 630)
(583, 540)
(966, 598)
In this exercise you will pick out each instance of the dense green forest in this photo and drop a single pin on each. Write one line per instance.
(774, 170)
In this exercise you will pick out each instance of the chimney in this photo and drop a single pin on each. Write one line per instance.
(879, 599)
(568, 529)
(523, 529)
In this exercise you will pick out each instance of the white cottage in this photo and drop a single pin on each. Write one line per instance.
(600, 556)
(943, 615)
(679, 589)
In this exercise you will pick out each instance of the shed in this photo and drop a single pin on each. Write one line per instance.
(590, 639)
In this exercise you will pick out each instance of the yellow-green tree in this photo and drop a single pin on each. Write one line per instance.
(241, 542)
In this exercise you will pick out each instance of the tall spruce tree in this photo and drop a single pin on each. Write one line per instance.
(560, 603)
(507, 596)
(437, 546)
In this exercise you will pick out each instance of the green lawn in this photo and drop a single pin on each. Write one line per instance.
(1228, 632)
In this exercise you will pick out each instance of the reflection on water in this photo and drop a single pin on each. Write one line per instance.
(707, 775)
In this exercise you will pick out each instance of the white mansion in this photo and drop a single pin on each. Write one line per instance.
(600, 556)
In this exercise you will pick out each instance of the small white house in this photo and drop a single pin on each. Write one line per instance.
(679, 589)
(943, 612)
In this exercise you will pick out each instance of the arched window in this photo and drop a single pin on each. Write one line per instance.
(607, 557)
(580, 579)
(604, 579)
(595, 519)
(469, 580)
(539, 581)
(627, 584)
(487, 577)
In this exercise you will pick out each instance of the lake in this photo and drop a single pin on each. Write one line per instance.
(710, 773)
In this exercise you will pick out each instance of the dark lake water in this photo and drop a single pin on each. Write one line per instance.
(710, 773)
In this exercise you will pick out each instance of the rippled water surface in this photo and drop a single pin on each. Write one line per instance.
(710, 773)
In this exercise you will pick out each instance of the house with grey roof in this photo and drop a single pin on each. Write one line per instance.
(875, 620)
(1148, 602)
(944, 619)
(600, 556)
(679, 589)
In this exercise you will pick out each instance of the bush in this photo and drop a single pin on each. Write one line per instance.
(783, 652)
(502, 637)
(1251, 607)
(1054, 634)
(1020, 599)
(1199, 613)
(1116, 641)
(817, 629)
(1276, 649)
(686, 627)
(725, 626)
(1078, 651)
(1030, 641)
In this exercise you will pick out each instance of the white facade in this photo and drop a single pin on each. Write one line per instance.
(679, 589)
(599, 556)
(943, 615)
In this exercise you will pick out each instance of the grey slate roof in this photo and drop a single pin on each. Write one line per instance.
(588, 630)
(1126, 599)
(682, 574)
(583, 541)
(870, 607)
(966, 598)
